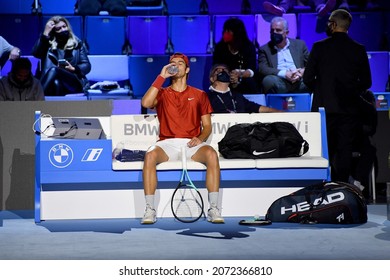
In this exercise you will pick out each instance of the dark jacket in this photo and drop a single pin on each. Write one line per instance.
(12, 91)
(338, 72)
(78, 57)
(268, 57)
(241, 104)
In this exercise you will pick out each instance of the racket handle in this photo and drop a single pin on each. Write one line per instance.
(183, 158)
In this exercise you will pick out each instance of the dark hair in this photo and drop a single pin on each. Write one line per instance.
(342, 18)
(22, 63)
(239, 31)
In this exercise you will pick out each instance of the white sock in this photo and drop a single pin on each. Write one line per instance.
(213, 199)
(149, 199)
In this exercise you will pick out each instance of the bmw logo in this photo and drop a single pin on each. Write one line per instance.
(61, 155)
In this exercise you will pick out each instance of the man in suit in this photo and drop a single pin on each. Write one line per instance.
(282, 61)
(338, 72)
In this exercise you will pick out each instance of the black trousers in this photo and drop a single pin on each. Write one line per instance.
(58, 82)
(342, 130)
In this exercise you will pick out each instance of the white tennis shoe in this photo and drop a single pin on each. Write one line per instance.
(149, 216)
(214, 216)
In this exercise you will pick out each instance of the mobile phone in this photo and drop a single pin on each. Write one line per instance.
(62, 62)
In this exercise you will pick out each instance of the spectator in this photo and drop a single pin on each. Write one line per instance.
(322, 7)
(364, 153)
(338, 72)
(20, 84)
(184, 115)
(239, 54)
(7, 51)
(224, 101)
(282, 61)
(58, 43)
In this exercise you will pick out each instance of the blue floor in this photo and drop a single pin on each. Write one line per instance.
(122, 239)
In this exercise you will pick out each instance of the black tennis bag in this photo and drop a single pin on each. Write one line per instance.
(323, 203)
(262, 140)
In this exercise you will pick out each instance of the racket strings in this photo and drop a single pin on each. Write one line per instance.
(187, 204)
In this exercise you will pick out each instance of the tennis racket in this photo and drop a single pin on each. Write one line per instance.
(186, 203)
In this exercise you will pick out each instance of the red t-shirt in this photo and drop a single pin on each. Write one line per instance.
(179, 113)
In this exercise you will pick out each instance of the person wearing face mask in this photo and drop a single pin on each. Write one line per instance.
(338, 72)
(20, 84)
(282, 61)
(64, 59)
(237, 52)
(223, 100)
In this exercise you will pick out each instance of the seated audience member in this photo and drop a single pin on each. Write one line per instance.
(321, 7)
(20, 84)
(239, 54)
(7, 51)
(282, 61)
(224, 101)
(65, 62)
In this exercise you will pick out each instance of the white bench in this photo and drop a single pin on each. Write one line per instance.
(257, 182)
(85, 183)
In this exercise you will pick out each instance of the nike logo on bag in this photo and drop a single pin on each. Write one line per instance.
(191, 98)
(262, 153)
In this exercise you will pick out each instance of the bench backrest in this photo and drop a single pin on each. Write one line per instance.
(138, 132)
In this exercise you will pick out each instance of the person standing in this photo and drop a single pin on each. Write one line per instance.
(338, 72)
(282, 61)
(20, 84)
(64, 57)
(185, 121)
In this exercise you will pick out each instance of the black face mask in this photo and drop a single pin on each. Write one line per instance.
(276, 38)
(62, 36)
(223, 77)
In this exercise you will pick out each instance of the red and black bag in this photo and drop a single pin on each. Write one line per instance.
(323, 203)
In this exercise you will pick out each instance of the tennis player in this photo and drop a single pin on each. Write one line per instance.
(184, 116)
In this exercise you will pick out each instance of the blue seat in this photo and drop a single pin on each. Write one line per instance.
(263, 24)
(105, 34)
(20, 30)
(126, 107)
(147, 34)
(311, 28)
(257, 98)
(75, 21)
(226, 7)
(200, 66)
(219, 20)
(15, 7)
(180, 7)
(256, 7)
(143, 71)
(379, 64)
(300, 102)
(68, 97)
(35, 66)
(109, 68)
(146, 10)
(367, 28)
(57, 7)
(190, 34)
